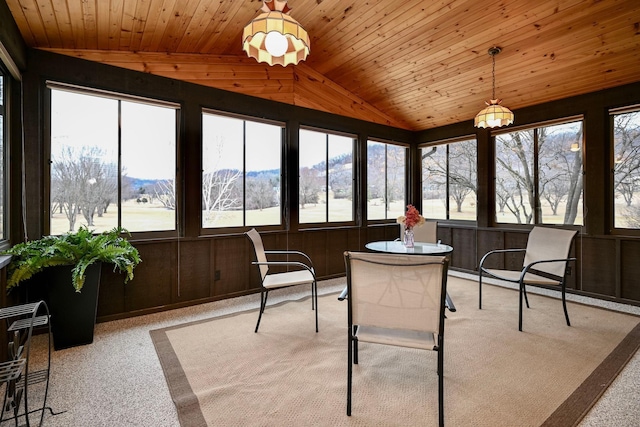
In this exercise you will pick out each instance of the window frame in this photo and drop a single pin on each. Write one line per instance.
(492, 214)
(354, 188)
(5, 102)
(612, 112)
(118, 96)
(448, 142)
(214, 231)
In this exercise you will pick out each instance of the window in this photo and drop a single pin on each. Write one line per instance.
(449, 180)
(3, 169)
(386, 176)
(325, 177)
(626, 169)
(539, 175)
(241, 162)
(113, 162)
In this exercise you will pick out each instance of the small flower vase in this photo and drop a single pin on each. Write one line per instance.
(408, 237)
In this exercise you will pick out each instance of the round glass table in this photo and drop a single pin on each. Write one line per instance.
(420, 248)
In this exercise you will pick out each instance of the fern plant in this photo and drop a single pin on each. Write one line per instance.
(80, 249)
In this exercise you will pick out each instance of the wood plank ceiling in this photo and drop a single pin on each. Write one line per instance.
(414, 64)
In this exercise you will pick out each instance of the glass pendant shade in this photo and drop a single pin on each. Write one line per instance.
(274, 37)
(494, 115)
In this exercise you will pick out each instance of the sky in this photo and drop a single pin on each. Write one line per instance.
(149, 137)
(148, 132)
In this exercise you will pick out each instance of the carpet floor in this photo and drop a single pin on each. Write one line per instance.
(220, 373)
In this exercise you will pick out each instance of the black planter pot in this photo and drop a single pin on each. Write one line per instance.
(73, 314)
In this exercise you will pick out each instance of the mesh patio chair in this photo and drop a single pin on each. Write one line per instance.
(426, 233)
(545, 263)
(304, 275)
(396, 300)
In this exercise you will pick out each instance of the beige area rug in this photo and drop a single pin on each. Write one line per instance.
(220, 373)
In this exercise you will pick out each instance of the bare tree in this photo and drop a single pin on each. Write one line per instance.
(627, 152)
(632, 216)
(376, 175)
(452, 169)
(514, 162)
(434, 173)
(82, 183)
(310, 184)
(221, 187)
(502, 195)
(341, 176)
(219, 191)
(64, 173)
(261, 191)
(560, 170)
(396, 158)
(463, 171)
(165, 192)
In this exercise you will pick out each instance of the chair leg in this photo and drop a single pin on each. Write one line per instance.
(441, 384)
(564, 305)
(520, 307)
(264, 293)
(524, 291)
(355, 345)
(349, 369)
(314, 292)
(480, 289)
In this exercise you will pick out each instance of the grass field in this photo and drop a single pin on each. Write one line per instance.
(138, 217)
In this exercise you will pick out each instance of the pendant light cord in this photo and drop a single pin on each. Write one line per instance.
(493, 75)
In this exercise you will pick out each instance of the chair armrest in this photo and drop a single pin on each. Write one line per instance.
(288, 263)
(497, 251)
(528, 267)
(283, 252)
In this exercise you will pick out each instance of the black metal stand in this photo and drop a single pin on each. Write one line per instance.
(14, 373)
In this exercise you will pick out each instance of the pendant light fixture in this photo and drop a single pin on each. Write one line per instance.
(494, 115)
(274, 37)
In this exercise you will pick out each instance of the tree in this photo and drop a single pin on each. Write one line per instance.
(261, 191)
(514, 163)
(376, 176)
(453, 166)
(557, 180)
(395, 174)
(310, 183)
(82, 183)
(463, 166)
(220, 192)
(434, 173)
(221, 187)
(560, 169)
(632, 216)
(165, 192)
(341, 176)
(627, 155)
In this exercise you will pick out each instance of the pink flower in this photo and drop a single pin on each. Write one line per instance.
(412, 218)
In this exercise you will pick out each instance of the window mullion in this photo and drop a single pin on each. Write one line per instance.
(447, 185)
(244, 173)
(326, 179)
(537, 209)
(119, 177)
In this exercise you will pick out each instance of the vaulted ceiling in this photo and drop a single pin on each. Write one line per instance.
(414, 64)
